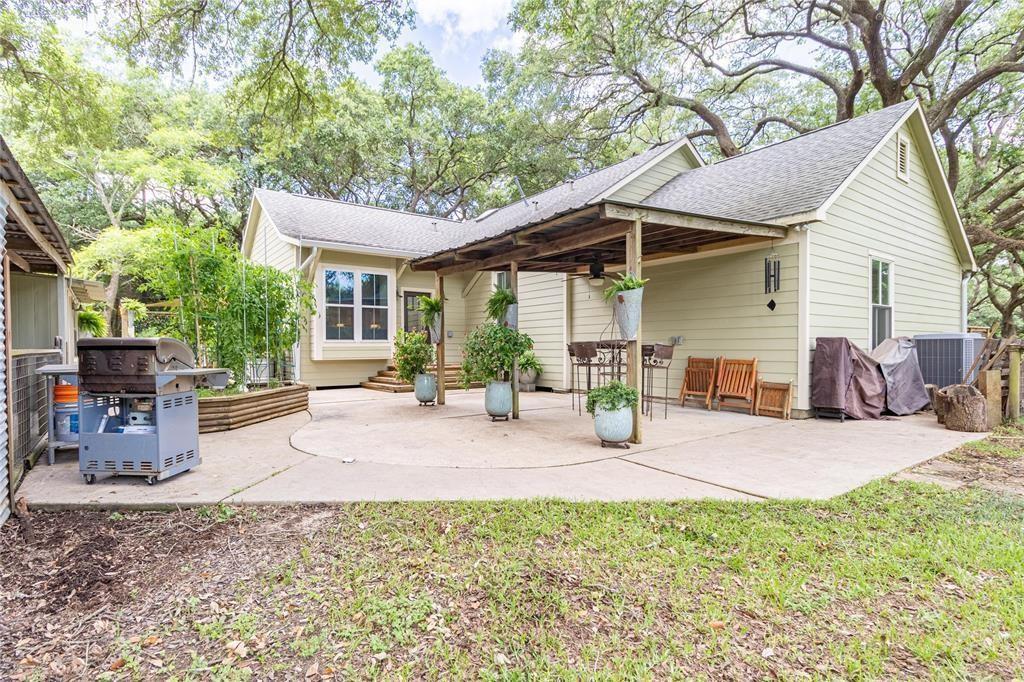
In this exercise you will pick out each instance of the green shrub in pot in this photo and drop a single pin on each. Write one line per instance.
(413, 354)
(612, 406)
(529, 369)
(430, 310)
(487, 356)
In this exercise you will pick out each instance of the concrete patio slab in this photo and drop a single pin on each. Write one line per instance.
(459, 434)
(809, 458)
(405, 452)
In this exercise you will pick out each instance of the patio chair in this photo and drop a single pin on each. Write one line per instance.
(660, 357)
(774, 399)
(736, 385)
(699, 380)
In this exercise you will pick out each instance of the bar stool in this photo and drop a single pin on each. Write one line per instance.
(586, 358)
(660, 357)
(571, 349)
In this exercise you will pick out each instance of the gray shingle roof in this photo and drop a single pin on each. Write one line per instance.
(782, 179)
(568, 196)
(314, 219)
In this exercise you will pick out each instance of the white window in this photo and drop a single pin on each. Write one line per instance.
(356, 304)
(902, 157)
(502, 280)
(881, 301)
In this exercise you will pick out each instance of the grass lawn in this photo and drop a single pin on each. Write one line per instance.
(894, 580)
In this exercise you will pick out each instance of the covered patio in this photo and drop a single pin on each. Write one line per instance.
(598, 237)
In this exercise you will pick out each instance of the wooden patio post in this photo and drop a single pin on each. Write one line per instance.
(442, 366)
(513, 283)
(1013, 400)
(634, 354)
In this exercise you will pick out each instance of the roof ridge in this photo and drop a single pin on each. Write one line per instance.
(491, 211)
(803, 136)
(359, 205)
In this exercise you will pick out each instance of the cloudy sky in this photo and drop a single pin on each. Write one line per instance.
(457, 33)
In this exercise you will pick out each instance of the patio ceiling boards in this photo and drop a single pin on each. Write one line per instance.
(573, 240)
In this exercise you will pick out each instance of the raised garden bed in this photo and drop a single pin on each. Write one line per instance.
(222, 413)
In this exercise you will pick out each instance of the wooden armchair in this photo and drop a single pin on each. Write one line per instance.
(699, 380)
(774, 399)
(737, 383)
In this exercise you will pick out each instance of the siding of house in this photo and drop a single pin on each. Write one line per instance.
(542, 316)
(351, 363)
(269, 248)
(881, 216)
(717, 303)
(652, 179)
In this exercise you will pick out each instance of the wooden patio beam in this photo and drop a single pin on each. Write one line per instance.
(652, 215)
(513, 283)
(580, 239)
(439, 361)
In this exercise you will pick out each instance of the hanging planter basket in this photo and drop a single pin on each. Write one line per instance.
(434, 331)
(512, 316)
(626, 308)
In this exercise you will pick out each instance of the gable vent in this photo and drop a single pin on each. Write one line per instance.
(902, 158)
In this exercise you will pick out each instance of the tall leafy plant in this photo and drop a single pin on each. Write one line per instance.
(413, 353)
(489, 352)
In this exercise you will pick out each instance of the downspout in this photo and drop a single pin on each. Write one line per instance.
(964, 299)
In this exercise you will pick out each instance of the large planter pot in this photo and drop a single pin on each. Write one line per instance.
(498, 399)
(426, 388)
(434, 331)
(512, 316)
(528, 380)
(221, 413)
(626, 307)
(613, 427)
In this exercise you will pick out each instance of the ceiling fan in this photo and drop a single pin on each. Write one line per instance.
(595, 275)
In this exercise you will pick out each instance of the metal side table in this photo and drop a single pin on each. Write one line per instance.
(54, 373)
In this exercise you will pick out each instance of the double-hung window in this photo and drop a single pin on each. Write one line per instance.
(356, 305)
(881, 301)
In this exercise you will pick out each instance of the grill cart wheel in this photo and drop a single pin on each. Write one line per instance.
(150, 480)
(89, 478)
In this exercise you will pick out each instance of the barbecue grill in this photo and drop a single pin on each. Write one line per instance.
(138, 410)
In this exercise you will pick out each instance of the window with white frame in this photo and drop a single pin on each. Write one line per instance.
(881, 301)
(502, 280)
(356, 305)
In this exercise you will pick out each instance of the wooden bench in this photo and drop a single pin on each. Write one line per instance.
(699, 380)
(736, 385)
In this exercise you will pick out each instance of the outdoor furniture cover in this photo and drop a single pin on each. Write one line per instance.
(905, 391)
(846, 378)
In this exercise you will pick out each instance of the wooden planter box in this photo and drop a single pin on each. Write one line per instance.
(222, 413)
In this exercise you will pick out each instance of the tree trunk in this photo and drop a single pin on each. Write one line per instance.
(965, 409)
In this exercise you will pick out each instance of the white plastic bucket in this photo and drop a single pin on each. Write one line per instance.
(65, 418)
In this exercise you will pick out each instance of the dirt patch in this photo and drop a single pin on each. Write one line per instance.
(73, 582)
(996, 463)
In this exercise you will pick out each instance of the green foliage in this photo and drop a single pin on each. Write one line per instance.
(489, 352)
(430, 308)
(413, 353)
(91, 321)
(625, 282)
(135, 306)
(612, 396)
(528, 361)
(498, 303)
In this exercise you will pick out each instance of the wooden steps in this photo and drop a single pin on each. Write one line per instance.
(387, 380)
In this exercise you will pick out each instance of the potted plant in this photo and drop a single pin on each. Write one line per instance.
(413, 353)
(487, 355)
(529, 369)
(503, 308)
(612, 406)
(91, 323)
(626, 294)
(430, 309)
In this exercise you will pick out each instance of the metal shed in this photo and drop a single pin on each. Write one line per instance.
(31, 243)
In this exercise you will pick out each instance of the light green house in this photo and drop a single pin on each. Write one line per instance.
(858, 215)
